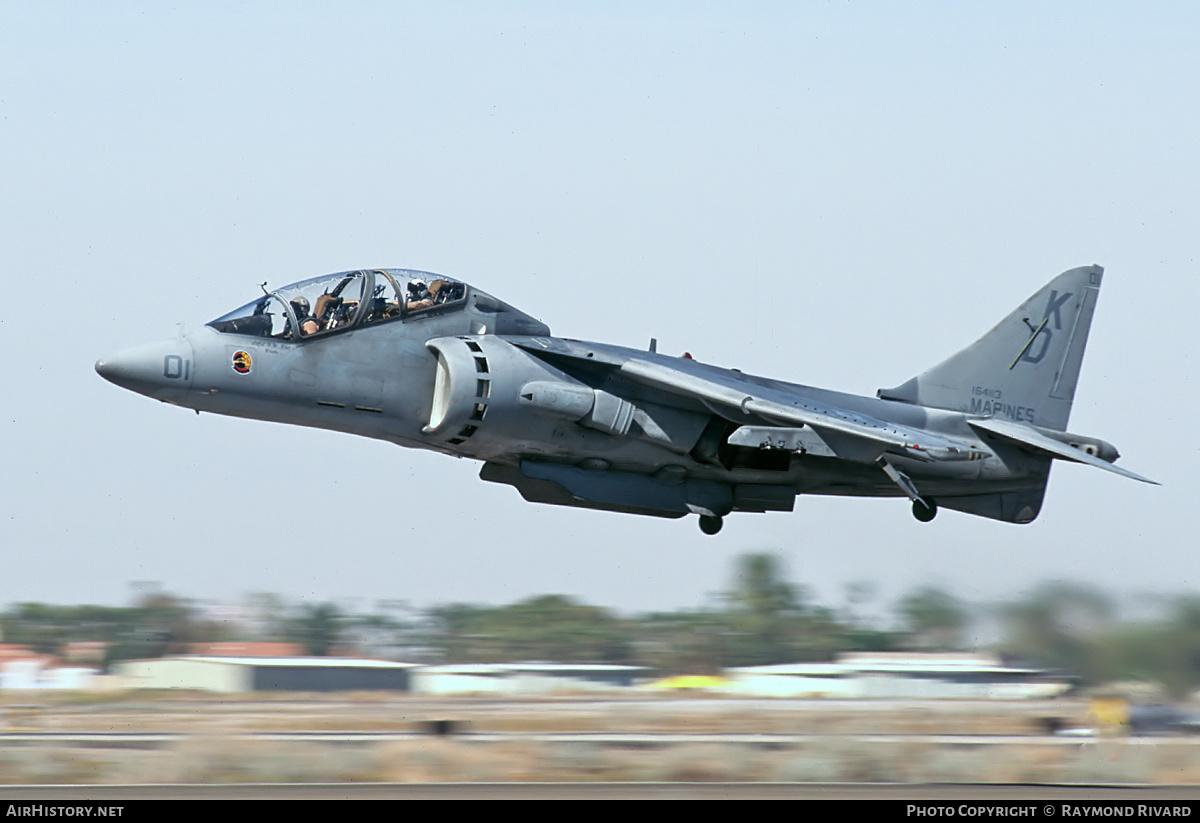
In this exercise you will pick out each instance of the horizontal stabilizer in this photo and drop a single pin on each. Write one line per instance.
(1033, 439)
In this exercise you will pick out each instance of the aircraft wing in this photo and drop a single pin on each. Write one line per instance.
(850, 435)
(1035, 440)
(833, 424)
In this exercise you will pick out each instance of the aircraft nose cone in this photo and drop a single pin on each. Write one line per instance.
(107, 368)
(161, 370)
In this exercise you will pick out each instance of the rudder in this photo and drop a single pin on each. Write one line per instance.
(1027, 367)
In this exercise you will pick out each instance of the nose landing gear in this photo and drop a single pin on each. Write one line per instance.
(710, 523)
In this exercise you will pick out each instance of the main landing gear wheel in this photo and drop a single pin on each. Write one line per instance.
(924, 511)
(710, 523)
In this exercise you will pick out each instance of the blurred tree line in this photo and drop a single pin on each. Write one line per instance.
(760, 618)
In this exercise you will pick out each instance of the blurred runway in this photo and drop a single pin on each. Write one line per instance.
(608, 791)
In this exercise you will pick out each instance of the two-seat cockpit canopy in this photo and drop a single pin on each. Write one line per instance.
(340, 302)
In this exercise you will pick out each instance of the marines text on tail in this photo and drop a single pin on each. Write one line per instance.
(427, 361)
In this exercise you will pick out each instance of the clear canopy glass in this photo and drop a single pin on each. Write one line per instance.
(343, 301)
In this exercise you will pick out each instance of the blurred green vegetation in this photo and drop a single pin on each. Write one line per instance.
(760, 618)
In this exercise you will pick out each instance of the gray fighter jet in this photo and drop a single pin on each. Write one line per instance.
(427, 361)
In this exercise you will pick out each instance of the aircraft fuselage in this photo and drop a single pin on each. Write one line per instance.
(427, 362)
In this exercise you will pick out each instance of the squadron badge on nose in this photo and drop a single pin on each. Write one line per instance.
(241, 362)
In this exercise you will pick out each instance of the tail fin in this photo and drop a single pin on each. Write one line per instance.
(1026, 368)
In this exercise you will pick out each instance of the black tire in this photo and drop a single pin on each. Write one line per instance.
(710, 524)
(924, 511)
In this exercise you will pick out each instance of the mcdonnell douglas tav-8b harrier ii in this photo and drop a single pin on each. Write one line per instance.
(427, 361)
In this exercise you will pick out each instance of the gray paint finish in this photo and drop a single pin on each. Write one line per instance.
(425, 361)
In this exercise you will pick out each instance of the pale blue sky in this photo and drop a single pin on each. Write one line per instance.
(838, 194)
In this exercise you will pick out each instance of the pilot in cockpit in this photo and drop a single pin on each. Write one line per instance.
(419, 296)
(308, 323)
(422, 296)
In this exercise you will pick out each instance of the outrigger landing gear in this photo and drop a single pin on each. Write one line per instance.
(924, 510)
(710, 523)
